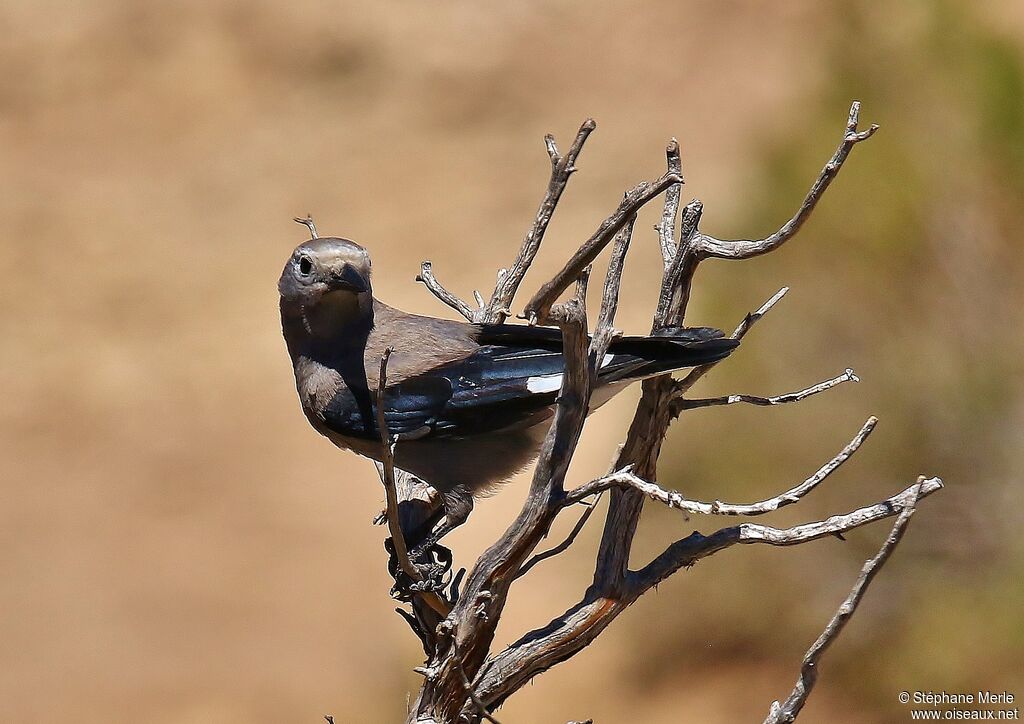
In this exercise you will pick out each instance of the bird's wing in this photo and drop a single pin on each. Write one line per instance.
(494, 388)
(509, 381)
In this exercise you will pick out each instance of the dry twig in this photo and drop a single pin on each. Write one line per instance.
(789, 709)
(681, 404)
(391, 493)
(625, 478)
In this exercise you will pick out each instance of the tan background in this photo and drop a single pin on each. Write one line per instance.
(176, 545)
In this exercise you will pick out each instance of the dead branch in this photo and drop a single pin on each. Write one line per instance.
(538, 307)
(695, 546)
(464, 680)
(694, 375)
(680, 404)
(667, 227)
(709, 246)
(561, 168)
(391, 493)
(427, 278)
(496, 310)
(308, 223)
(788, 711)
(567, 542)
(474, 618)
(625, 478)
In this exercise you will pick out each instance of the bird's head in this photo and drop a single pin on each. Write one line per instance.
(327, 279)
(327, 266)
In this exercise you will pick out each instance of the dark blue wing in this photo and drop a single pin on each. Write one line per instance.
(511, 380)
(494, 388)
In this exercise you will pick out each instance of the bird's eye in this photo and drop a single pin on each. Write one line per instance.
(305, 266)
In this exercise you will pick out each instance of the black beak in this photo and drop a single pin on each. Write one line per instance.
(348, 278)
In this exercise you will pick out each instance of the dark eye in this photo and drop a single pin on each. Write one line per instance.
(305, 266)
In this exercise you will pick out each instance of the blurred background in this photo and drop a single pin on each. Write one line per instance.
(177, 545)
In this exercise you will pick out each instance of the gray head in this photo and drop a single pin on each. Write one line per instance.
(323, 266)
(327, 282)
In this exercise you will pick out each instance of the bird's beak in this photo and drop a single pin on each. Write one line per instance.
(349, 279)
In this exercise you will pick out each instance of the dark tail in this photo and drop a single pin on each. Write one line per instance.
(633, 358)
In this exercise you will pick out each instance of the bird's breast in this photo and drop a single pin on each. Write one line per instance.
(317, 385)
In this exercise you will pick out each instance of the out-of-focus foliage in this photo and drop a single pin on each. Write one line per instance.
(177, 545)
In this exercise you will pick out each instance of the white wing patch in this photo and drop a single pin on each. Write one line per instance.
(551, 383)
(544, 383)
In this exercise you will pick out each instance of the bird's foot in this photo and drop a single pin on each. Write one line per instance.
(433, 564)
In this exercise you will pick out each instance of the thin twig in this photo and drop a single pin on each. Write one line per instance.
(565, 544)
(667, 227)
(605, 330)
(308, 223)
(788, 710)
(694, 547)
(391, 492)
(477, 702)
(675, 283)
(562, 167)
(675, 500)
(751, 319)
(692, 404)
(538, 307)
(681, 386)
(709, 246)
(426, 277)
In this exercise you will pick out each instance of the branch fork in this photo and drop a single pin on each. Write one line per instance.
(465, 680)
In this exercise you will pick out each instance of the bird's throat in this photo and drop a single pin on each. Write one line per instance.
(338, 313)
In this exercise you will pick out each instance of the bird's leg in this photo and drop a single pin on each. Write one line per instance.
(417, 521)
(457, 503)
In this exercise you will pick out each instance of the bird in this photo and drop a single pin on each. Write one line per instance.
(467, 404)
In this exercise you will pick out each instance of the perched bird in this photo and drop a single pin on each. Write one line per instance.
(467, 403)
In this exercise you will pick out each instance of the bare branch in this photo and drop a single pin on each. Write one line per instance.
(667, 228)
(464, 678)
(476, 614)
(692, 404)
(391, 493)
(574, 629)
(709, 246)
(565, 544)
(561, 168)
(426, 277)
(788, 711)
(605, 331)
(308, 223)
(681, 386)
(611, 593)
(538, 307)
(694, 547)
(675, 500)
(751, 319)
(675, 284)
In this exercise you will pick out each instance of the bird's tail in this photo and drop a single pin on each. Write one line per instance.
(634, 358)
